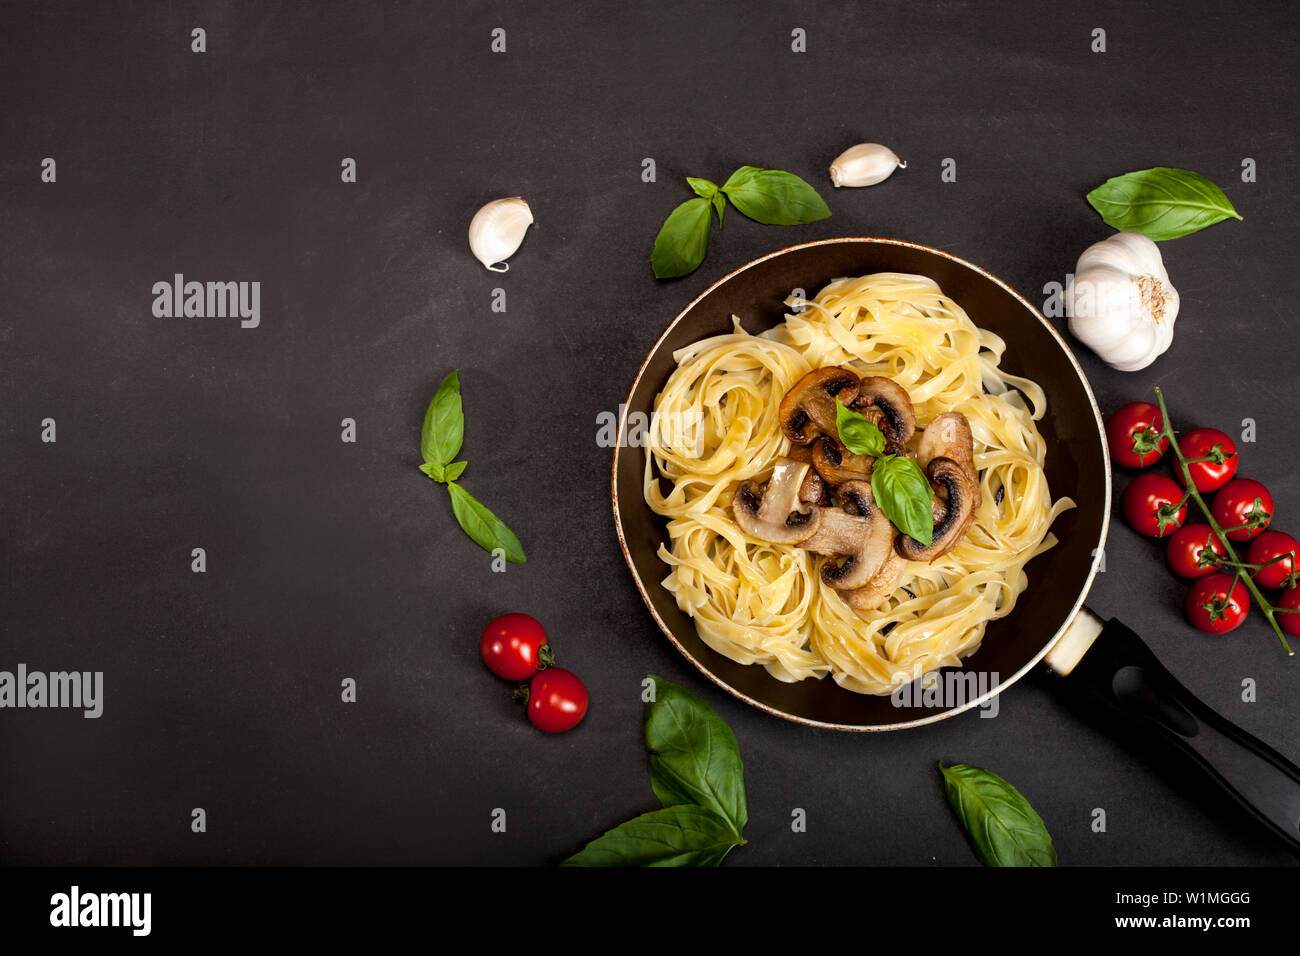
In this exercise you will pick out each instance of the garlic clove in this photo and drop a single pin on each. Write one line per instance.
(497, 230)
(865, 165)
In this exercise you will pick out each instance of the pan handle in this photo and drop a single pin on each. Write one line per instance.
(1120, 676)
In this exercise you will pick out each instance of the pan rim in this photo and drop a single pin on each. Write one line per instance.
(951, 711)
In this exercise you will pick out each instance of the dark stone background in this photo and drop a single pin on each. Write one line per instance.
(328, 560)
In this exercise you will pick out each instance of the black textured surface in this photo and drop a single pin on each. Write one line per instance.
(329, 560)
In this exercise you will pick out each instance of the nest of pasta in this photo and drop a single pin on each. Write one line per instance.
(906, 356)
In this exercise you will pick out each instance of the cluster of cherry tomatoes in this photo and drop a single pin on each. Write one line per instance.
(1156, 505)
(514, 647)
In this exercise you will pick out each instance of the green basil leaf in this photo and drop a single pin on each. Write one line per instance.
(456, 469)
(1161, 202)
(903, 494)
(1003, 827)
(773, 197)
(444, 422)
(683, 240)
(702, 187)
(681, 835)
(693, 755)
(719, 205)
(487, 530)
(435, 470)
(858, 434)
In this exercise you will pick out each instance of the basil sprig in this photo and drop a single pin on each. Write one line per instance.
(858, 433)
(441, 438)
(696, 772)
(1161, 202)
(903, 494)
(769, 196)
(1003, 828)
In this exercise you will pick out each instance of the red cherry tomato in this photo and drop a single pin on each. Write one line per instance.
(514, 646)
(1212, 609)
(1290, 602)
(1209, 442)
(1153, 504)
(1131, 435)
(1186, 547)
(557, 700)
(1278, 547)
(1244, 505)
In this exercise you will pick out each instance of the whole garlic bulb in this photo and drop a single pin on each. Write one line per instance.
(497, 230)
(1120, 302)
(865, 165)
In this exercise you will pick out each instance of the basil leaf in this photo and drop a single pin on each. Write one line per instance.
(456, 469)
(857, 433)
(444, 422)
(487, 530)
(435, 470)
(1161, 202)
(682, 835)
(693, 755)
(683, 240)
(1003, 827)
(719, 205)
(702, 187)
(773, 197)
(903, 494)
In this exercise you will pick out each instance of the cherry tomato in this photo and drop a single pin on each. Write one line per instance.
(1245, 505)
(1186, 547)
(1131, 435)
(1290, 601)
(557, 700)
(514, 646)
(1212, 609)
(1209, 442)
(1153, 504)
(1267, 547)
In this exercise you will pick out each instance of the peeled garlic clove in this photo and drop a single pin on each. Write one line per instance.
(865, 165)
(497, 230)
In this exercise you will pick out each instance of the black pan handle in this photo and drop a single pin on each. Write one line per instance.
(1120, 676)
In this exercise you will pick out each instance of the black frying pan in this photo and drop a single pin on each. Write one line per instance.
(1104, 665)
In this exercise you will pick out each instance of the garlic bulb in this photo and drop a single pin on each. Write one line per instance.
(1120, 302)
(497, 230)
(865, 165)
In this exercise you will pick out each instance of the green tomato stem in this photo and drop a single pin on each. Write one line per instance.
(1270, 612)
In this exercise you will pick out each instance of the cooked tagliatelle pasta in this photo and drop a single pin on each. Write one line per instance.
(763, 603)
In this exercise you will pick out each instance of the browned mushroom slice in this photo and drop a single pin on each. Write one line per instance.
(952, 521)
(772, 513)
(861, 540)
(892, 407)
(809, 407)
(813, 491)
(882, 584)
(836, 464)
(949, 436)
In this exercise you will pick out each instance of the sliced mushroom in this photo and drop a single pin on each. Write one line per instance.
(960, 492)
(836, 464)
(882, 584)
(809, 407)
(892, 408)
(949, 436)
(862, 540)
(814, 490)
(772, 513)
